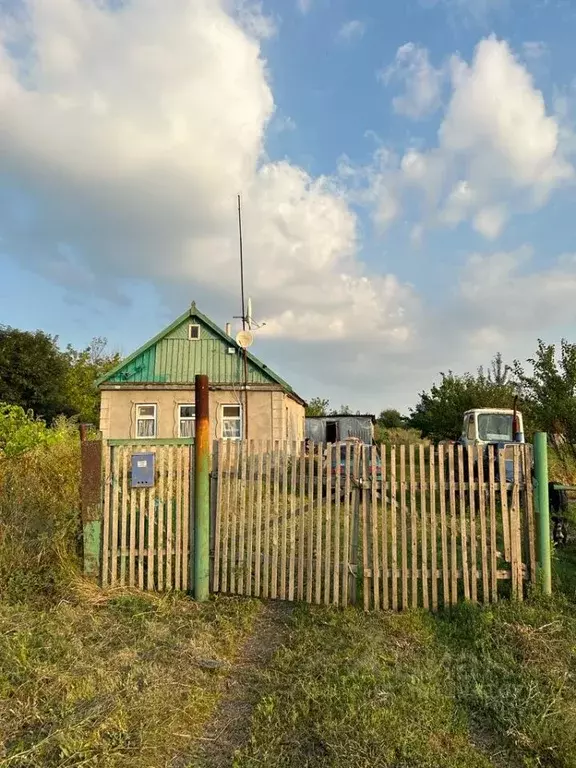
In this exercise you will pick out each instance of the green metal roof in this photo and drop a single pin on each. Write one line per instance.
(171, 358)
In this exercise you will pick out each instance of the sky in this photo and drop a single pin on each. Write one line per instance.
(407, 172)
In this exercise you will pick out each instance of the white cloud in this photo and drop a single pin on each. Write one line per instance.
(351, 31)
(304, 6)
(499, 150)
(534, 49)
(127, 135)
(423, 83)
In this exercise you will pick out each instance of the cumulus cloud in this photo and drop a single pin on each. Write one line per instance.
(127, 133)
(499, 150)
(351, 31)
(422, 82)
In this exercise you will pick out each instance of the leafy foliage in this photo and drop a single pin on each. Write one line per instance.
(84, 368)
(33, 372)
(317, 406)
(391, 419)
(549, 392)
(439, 412)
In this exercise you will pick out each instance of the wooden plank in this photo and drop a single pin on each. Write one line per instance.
(284, 521)
(375, 534)
(234, 503)
(328, 526)
(463, 523)
(433, 527)
(295, 462)
(224, 512)
(384, 527)
(319, 526)
(115, 515)
(453, 532)
(186, 510)
(337, 524)
(413, 528)
(346, 526)
(403, 526)
(218, 517)
(252, 458)
(530, 522)
(267, 520)
(394, 530)
(504, 506)
(473, 548)
(124, 518)
(355, 525)
(275, 522)
(178, 522)
(515, 534)
(241, 554)
(107, 484)
(141, 535)
(365, 475)
(301, 520)
(493, 531)
(161, 521)
(258, 538)
(484, 553)
(169, 517)
(443, 527)
(132, 545)
(423, 527)
(150, 547)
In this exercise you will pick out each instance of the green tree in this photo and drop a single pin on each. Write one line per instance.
(438, 414)
(391, 419)
(549, 392)
(33, 372)
(318, 406)
(84, 368)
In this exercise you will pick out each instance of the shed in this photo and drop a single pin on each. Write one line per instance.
(332, 429)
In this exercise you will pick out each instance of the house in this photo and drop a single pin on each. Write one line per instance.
(332, 429)
(150, 394)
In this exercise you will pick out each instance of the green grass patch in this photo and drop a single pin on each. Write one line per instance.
(124, 683)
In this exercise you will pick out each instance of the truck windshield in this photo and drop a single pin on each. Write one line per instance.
(495, 427)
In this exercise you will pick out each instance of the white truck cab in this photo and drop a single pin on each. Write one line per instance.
(492, 426)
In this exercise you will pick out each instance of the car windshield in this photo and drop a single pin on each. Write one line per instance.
(495, 427)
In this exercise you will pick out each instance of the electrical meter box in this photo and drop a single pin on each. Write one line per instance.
(143, 466)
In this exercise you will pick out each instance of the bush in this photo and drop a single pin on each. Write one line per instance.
(39, 511)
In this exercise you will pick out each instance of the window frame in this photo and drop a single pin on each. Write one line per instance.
(186, 419)
(153, 419)
(190, 327)
(239, 419)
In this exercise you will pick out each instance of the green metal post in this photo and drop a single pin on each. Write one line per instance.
(543, 507)
(202, 492)
(90, 502)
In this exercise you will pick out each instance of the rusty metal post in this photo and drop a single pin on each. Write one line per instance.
(202, 491)
(90, 500)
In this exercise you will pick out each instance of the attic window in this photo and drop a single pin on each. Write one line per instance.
(193, 332)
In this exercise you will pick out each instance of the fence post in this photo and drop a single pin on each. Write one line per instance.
(90, 504)
(543, 509)
(202, 491)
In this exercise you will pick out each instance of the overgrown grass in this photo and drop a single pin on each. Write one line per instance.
(129, 681)
(475, 686)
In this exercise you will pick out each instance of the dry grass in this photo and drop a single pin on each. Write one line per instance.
(115, 680)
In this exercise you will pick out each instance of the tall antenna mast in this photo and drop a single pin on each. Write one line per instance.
(241, 263)
(245, 353)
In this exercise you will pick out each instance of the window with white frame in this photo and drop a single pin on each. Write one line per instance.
(146, 420)
(232, 422)
(186, 420)
(193, 331)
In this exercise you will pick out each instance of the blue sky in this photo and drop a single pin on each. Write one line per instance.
(407, 170)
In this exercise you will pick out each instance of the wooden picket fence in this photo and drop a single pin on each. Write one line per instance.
(395, 526)
(147, 532)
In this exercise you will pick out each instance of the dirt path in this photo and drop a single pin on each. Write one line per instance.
(230, 727)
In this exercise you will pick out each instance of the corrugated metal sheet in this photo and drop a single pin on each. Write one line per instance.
(176, 360)
(139, 370)
(360, 427)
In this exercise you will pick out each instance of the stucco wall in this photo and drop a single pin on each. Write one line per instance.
(271, 414)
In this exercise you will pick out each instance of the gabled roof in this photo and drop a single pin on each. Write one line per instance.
(194, 313)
